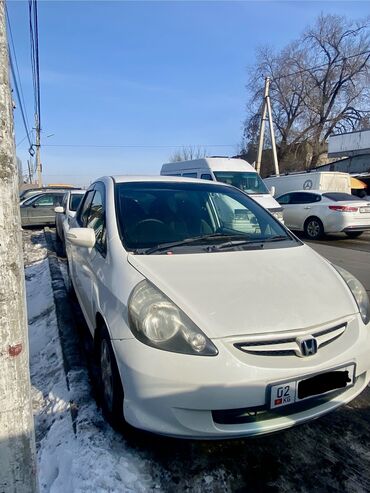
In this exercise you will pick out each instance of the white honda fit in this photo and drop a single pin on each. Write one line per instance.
(210, 319)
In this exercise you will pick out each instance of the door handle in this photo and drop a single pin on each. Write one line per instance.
(307, 207)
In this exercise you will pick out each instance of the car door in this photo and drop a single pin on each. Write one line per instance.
(41, 210)
(304, 205)
(288, 210)
(75, 253)
(91, 261)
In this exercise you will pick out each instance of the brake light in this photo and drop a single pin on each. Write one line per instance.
(343, 208)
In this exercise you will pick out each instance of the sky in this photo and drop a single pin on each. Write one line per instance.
(146, 77)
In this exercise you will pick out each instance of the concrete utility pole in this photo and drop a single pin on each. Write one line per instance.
(17, 445)
(30, 171)
(266, 109)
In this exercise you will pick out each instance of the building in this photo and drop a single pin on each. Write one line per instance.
(354, 150)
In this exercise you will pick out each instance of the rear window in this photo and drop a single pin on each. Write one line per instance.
(339, 196)
(74, 201)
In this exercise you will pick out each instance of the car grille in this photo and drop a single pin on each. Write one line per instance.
(277, 345)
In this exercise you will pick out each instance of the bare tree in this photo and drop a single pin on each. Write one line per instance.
(187, 153)
(320, 85)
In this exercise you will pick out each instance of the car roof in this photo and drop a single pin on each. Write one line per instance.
(76, 192)
(161, 179)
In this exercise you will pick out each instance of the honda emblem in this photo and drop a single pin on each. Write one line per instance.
(307, 345)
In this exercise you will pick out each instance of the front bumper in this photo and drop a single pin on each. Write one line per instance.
(226, 395)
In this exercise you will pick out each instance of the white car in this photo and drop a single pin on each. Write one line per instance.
(209, 318)
(316, 213)
(65, 212)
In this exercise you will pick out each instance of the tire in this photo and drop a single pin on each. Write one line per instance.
(313, 228)
(69, 285)
(353, 234)
(110, 390)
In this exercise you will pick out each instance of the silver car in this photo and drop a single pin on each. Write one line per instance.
(39, 210)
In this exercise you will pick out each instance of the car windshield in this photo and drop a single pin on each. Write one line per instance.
(340, 197)
(74, 201)
(151, 214)
(249, 182)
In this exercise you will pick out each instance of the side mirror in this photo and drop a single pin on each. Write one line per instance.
(34, 205)
(272, 190)
(59, 209)
(83, 237)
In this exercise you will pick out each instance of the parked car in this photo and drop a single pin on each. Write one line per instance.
(236, 172)
(65, 212)
(210, 319)
(325, 181)
(38, 210)
(31, 192)
(317, 213)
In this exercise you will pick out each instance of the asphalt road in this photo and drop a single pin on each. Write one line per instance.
(353, 255)
(330, 454)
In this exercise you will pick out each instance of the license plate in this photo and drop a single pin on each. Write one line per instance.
(364, 209)
(301, 389)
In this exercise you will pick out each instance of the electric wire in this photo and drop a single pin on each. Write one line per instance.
(35, 64)
(140, 146)
(16, 63)
(318, 67)
(17, 84)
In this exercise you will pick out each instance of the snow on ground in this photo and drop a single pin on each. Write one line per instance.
(94, 458)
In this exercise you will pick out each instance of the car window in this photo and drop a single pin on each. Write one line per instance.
(84, 209)
(96, 220)
(150, 214)
(206, 176)
(233, 215)
(284, 199)
(339, 196)
(64, 201)
(74, 201)
(304, 198)
(45, 200)
(248, 181)
(189, 175)
(57, 199)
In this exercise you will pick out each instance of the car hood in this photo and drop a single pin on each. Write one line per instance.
(250, 292)
(266, 200)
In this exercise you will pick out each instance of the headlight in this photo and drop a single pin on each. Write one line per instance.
(279, 215)
(359, 293)
(156, 321)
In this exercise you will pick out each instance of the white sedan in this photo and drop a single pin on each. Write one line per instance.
(209, 318)
(318, 212)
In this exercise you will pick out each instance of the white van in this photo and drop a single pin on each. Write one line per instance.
(328, 181)
(232, 171)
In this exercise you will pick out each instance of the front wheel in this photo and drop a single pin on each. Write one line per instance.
(353, 234)
(313, 228)
(109, 382)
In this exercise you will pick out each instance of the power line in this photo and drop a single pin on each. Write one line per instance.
(317, 67)
(140, 146)
(16, 63)
(35, 64)
(18, 88)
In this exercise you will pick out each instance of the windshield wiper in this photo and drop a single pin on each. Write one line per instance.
(277, 238)
(186, 241)
(259, 242)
